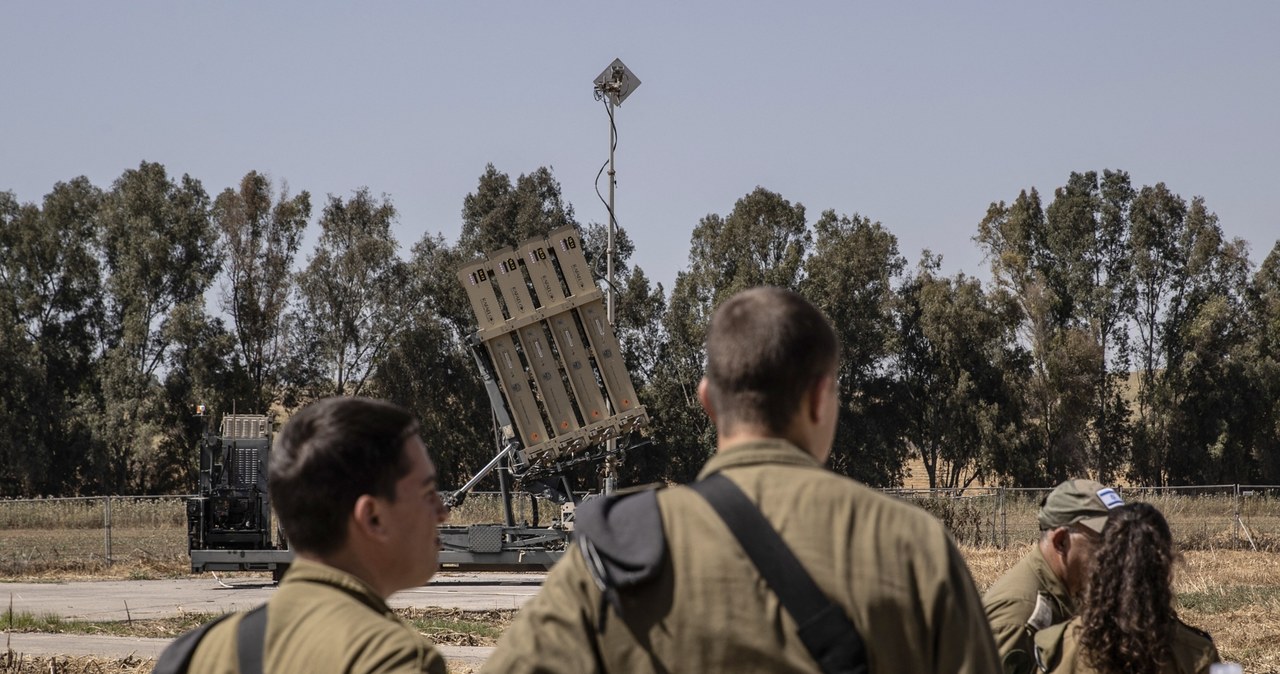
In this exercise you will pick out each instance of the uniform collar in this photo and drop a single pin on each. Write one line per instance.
(306, 571)
(755, 452)
(1050, 581)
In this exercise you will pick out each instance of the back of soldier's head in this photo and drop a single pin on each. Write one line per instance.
(329, 454)
(765, 348)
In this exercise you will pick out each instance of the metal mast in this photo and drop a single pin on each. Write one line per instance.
(612, 86)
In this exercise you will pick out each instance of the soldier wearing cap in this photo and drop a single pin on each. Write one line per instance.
(1041, 589)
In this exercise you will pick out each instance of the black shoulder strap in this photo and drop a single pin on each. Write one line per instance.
(176, 657)
(250, 635)
(825, 630)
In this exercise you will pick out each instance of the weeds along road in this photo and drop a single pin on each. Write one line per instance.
(118, 600)
(108, 600)
(78, 645)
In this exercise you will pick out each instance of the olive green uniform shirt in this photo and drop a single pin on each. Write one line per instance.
(892, 567)
(1058, 650)
(1011, 602)
(323, 620)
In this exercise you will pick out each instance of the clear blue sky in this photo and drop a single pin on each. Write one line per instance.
(917, 115)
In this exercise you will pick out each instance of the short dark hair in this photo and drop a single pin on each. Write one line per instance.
(328, 455)
(765, 348)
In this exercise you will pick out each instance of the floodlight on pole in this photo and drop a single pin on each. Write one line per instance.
(612, 86)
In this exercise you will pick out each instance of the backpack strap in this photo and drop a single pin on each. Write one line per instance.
(176, 657)
(250, 638)
(824, 628)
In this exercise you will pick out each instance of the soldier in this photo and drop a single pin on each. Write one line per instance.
(1128, 624)
(657, 582)
(1041, 589)
(356, 495)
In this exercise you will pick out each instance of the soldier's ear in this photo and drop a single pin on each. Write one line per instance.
(1061, 539)
(819, 395)
(365, 515)
(704, 397)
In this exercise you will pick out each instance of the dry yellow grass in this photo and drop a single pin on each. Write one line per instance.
(12, 662)
(17, 663)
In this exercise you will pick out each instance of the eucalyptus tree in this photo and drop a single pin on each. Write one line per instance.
(1070, 268)
(49, 308)
(352, 297)
(159, 252)
(1063, 357)
(959, 368)
(429, 369)
(762, 241)
(1158, 266)
(849, 275)
(261, 233)
(202, 369)
(1263, 392)
(1201, 390)
(1085, 257)
(503, 214)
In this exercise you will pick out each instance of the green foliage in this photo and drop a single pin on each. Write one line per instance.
(1193, 423)
(1067, 267)
(261, 235)
(50, 310)
(429, 369)
(106, 342)
(761, 242)
(849, 276)
(350, 295)
(1262, 362)
(957, 362)
(159, 247)
(500, 215)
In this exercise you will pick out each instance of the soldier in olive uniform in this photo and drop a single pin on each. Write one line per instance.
(356, 494)
(658, 583)
(1127, 623)
(1041, 589)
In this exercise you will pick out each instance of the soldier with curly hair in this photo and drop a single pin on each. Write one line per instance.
(1128, 624)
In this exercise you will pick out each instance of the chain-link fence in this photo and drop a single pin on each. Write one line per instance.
(92, 532)
(1201, 517)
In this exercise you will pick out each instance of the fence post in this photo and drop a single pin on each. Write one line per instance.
(1235, 525)
(995, 513)
(106, 525)
(1004, 522)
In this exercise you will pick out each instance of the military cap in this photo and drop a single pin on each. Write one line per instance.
(1078, 501)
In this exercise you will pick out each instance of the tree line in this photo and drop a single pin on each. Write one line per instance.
(1121, 335)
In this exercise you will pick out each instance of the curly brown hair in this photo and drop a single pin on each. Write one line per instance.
(1128, 618)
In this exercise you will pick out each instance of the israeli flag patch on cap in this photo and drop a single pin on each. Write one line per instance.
(1110, 498)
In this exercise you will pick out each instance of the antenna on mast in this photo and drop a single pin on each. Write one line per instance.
(612, 86)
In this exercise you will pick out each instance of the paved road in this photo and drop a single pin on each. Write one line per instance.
(119, 600)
